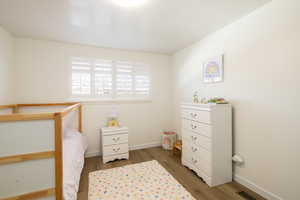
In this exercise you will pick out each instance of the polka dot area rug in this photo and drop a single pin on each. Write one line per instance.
(142, 181)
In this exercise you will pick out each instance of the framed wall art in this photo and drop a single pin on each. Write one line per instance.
(213, 70)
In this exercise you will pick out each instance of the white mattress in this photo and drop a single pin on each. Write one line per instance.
(74, 146)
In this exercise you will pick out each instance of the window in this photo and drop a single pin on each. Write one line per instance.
(103, 78)
(108, 79)
(81, 77)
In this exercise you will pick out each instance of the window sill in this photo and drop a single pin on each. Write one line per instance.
(109, 101)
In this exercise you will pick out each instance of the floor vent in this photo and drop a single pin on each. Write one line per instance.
(246, 195)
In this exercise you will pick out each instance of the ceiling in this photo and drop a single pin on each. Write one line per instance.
(162, 26)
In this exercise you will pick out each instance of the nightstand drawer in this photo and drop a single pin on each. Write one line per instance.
(115, 139)
(115, 149)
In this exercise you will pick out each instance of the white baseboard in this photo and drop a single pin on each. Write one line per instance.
(131, 148)
(145, 146)
(259, 190)
(92, 154)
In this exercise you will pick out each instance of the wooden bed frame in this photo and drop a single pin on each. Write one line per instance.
(57, 153)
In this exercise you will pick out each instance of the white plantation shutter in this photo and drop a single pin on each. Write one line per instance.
(124, 79)
(81, 76)
(132, 80)
(109, 79)
(142, 81)
(103, 72)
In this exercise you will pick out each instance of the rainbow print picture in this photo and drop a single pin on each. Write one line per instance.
(213, 70)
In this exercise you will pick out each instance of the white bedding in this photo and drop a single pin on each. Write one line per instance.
(74, 146)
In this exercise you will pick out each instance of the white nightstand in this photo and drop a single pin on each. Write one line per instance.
(114, 143)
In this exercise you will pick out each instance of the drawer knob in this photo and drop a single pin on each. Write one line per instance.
(194, 138)
(194, 149)
(116, 150)
(194, 115)
(193, 126)
(116, 139)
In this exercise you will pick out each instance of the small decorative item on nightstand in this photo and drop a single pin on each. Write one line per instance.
(114, 143)
(112, 120)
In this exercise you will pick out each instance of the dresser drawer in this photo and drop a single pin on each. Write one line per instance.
(197, 156)
(203, 129)
(115, 149)
(115, 139)
(202, 165)
(196, 139)
(202, 153)
(186, 153)
(197, 115)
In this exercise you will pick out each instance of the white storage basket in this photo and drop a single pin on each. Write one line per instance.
(168, 140)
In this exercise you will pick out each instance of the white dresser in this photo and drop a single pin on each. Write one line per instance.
(207, 141)
(114, 143)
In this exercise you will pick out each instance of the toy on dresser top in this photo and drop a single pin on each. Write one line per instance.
(216, 100)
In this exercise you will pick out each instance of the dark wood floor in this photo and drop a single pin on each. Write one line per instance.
(172, 163)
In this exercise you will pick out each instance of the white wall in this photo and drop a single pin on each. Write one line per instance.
(262, 67)
(6, 67)
(42, 74)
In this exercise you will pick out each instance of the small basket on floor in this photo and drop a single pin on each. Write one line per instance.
(168, 140)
